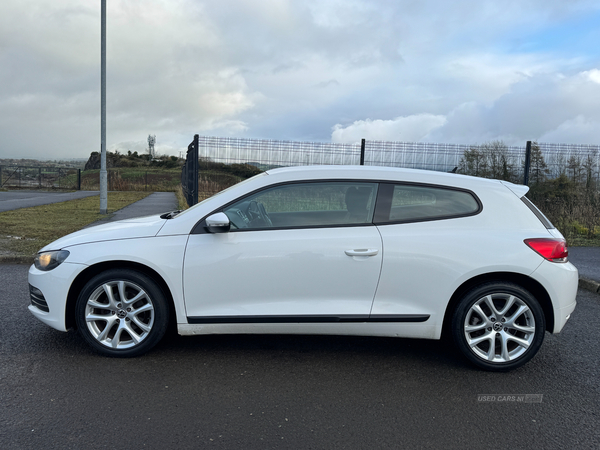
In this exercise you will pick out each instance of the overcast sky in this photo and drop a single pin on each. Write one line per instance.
(460, 71)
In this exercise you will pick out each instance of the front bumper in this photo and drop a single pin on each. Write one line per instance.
(54, 287)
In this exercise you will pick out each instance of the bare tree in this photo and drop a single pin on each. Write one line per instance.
(489, 160)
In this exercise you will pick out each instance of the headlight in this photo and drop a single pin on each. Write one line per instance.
(50, 260)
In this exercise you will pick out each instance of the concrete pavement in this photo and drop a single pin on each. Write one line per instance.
(156, 203)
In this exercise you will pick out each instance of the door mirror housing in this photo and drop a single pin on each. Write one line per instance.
(218, 223)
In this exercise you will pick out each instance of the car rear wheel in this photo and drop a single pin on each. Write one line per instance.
(122, 313)
(498, 326)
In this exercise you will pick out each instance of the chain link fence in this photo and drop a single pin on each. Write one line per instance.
(553, 159)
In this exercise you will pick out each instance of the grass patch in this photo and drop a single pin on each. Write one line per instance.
(181, 201)
(32, 228)
(584, 241)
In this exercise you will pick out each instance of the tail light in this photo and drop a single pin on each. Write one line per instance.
(554, 250)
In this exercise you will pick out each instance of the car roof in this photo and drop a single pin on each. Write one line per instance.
(392, 174)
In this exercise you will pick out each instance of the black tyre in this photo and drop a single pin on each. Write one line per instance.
(498, 326)
(122, 313)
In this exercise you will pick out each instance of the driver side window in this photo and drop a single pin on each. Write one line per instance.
(305, 205)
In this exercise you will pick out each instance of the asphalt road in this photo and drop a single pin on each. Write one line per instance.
(262, 392)
(587, 261)
(24, 199)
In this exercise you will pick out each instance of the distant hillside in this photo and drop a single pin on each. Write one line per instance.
(243, 171)
(116, 160)
(74, 164)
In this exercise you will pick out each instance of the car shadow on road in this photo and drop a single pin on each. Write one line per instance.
(316, 349)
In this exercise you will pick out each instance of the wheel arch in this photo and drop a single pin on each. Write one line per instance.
(91, 271)
(533, 286)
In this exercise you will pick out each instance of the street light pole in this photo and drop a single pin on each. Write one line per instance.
(103, 177)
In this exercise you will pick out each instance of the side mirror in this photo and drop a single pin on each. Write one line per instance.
(218, 223)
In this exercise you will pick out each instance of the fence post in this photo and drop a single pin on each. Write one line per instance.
(362, 152)
(195, 167)
(527, 163)
(39, 177)
(1, 176)
(78, 179)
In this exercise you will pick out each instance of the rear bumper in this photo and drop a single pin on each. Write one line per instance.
(560, 281)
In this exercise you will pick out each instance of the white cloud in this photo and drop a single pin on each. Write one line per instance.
(407, 129)
(593, 75)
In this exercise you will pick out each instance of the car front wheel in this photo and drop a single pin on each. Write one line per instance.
(498, 326)
(122, 313)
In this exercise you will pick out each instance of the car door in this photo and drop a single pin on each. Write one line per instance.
(299, 252)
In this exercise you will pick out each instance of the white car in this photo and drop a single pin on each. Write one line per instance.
(345, 250)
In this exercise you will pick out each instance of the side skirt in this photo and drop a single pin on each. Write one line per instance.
(378, 318)
(420, 330)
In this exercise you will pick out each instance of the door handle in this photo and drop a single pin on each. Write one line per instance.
(362, 252)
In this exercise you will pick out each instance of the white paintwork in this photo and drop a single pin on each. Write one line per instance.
(55, 287)
(281, 272)
(124, 229)
(560, 281)
(409, 268)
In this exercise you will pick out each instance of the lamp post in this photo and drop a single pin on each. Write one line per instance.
(103, 177)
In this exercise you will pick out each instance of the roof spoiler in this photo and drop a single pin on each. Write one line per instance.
(518, 189)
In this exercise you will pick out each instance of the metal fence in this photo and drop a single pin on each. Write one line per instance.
(25, 177)
(420, 155)
(570, 159)
(265, 153)
(581, 163)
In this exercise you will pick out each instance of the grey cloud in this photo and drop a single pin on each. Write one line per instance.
(326, 84)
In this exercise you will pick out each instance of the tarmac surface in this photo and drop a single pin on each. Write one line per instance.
(290, 392)
(24, 199)
(587, 261)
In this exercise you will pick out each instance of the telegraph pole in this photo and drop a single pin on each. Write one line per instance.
(103, 177)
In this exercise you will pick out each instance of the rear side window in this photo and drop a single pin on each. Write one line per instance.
(540, 215)
(414, 203)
